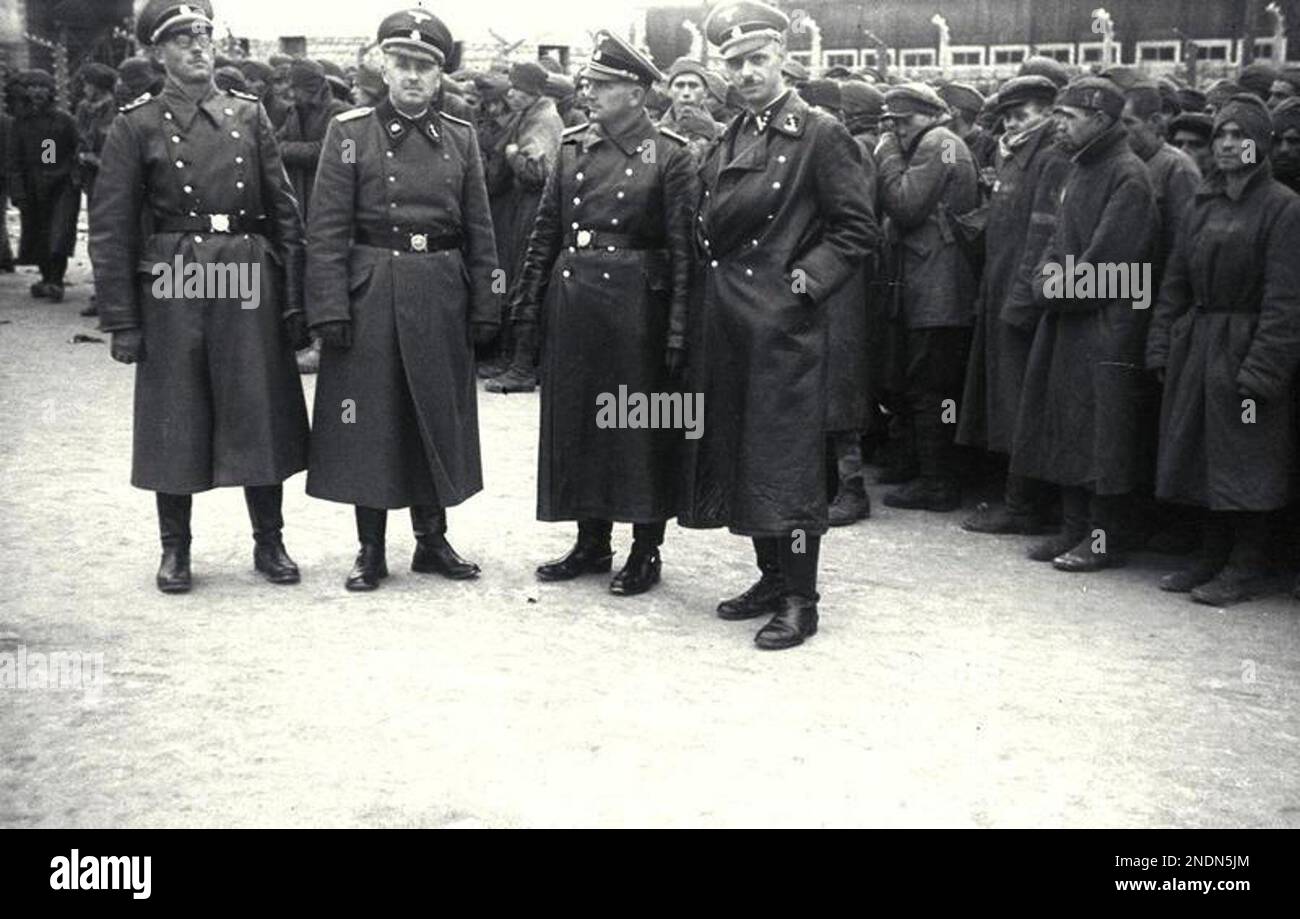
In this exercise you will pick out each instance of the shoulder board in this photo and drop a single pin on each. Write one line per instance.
(575, 130)
(240, 94)
(136, 102)
(454, 119)
(674, 135)
(353, 114)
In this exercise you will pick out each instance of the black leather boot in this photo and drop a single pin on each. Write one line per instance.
(936, 489)
(591, 554)
(643, 567)
(796, 618)
(1102, 544)
(1210, 558)
(371, 566)
(520, 376)
(433, 554)
(174, 531)
(1074, 526)
(1247, 574)
(764, 597)
(269, 555)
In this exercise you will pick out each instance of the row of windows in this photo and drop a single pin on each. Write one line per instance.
(1172, 52)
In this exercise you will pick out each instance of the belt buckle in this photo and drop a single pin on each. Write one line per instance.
(584, 239)
(219, 223)
(419, 242)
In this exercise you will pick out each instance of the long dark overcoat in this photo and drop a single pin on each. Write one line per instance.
(785, 218)
(612, 246)
(395, 421)
(43, 175)
(1227, 329)
(217, 397)
(1084, 417)
(1021, 218)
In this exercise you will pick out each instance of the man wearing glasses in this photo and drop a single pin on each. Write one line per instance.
(197, 246)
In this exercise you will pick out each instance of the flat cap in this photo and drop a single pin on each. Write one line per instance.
(962, 97)
(1257, 78)
(256, 70)
(1197, 122)
(307, 75)
(913, 99)
(1048, 67)
(612, 58)
(1220, 91)
(36, 77)
(1252, 116)
(528, 77)
(740, 26)
(861, 99)
(1123, 76)
(794, 71)
(229, 78)
(825, 93)
(159, 17)
(1098, 94)
(1190, 100)
(1022, 89)
(491, 85)
(417, 33)
(1286, 116)
(558, 86)
(97, 74)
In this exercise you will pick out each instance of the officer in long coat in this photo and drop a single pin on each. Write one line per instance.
(217, 397)
(1083, 422)
(400, 267)
(1225, 338)
(784, 219)
(612, 248)
(44, 183)
(1022, 208)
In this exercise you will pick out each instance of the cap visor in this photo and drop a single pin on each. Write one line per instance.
(751, 41)
(413, 49)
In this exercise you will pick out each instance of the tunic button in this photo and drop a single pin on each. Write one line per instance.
(749, 272)
(239, 160)
(577, 177)
(242, 212)
(611, 249)
(605, 275)
(176, 138)
(234, 134)
(392, 204)
(614, 221)
(776, 184)
(395, 252)
(619, 195)
(189, 189)
(392, 178)
(180, 164)
(446, 156)
(565, 272)
(769, 216)
(198, 239)
(167, 115)
(753, 242)
(713, 264)
(577, 201)
(229, 111)
(781, 158)
(574, 225)
(627, 171)
(389, 154)
(396, 228)
(239, 184)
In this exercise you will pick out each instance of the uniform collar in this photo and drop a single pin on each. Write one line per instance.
(397, 127)
(787, 114)
(630, 140)
(184, 108)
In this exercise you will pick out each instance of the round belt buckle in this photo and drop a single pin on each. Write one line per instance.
(584, 238)
(219, 223)
(419, 242)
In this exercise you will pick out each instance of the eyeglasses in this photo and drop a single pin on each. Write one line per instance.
(187, 40)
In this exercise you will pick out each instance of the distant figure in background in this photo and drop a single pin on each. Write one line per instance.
(6, 132)
(95, 112)
(1190, 133)
(688, 114)
(45, 185)
(136, 77)
(367, 86)
(1286, 144)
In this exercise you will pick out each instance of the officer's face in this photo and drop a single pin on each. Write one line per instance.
(611, 101)
(757, 75)
(412, 81)
(1196, 146)
(687, 90)
(187, 55)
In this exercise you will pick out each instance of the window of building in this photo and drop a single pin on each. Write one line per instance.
(1217, 49)
(1090, 52)
(918, 57)
(803, 57)
(1062, 53)
(1009, 54)
(967, 55)
(1158, 51)
(840, 59)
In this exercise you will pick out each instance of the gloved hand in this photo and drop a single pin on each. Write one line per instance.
(675, 362)
(336, 334)
(295, 329)
(484, 333)
(127, 346)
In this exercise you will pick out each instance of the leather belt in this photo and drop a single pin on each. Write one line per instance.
(408, 240)
(209, 223)
(599, 239)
